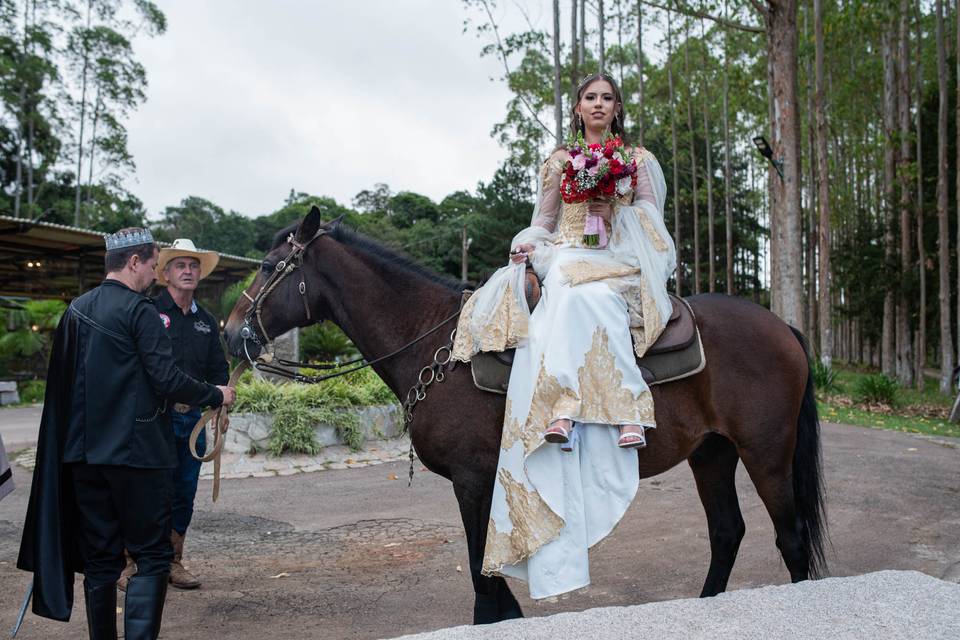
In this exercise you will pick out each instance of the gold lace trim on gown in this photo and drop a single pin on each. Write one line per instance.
(508, 325)
(600, 398)
(534, 525)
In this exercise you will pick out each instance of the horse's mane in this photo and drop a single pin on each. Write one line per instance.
(382, 254)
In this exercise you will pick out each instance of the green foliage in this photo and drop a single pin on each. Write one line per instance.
(325, 342)
(293, 431)
(229, 299)
(209, 226)
(824, 377)
(877, 388)
(297, 408)
(26, 335)
(32, 391)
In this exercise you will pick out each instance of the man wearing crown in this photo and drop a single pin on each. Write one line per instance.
(195, 337)
(105, 451)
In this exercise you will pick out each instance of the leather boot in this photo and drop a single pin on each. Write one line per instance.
(179, 576)
(128, 571)
(143, 608)
(101, 611)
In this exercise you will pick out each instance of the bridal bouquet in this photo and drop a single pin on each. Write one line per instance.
(597, 172)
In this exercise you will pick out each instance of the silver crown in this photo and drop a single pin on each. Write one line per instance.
(122, 240)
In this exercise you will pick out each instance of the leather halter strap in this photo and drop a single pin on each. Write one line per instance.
(285, 267)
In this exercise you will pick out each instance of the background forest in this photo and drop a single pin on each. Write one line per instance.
(850, 232)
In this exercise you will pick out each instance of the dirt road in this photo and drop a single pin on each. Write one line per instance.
(356, 554)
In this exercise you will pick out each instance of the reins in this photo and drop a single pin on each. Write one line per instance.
(267, 367)
(429, 374)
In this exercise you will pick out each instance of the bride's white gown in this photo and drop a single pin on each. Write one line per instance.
(574, 359)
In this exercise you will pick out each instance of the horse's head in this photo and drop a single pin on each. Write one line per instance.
(285, 293)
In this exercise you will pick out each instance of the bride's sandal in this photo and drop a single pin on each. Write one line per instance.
(631, 439)
(558, 432)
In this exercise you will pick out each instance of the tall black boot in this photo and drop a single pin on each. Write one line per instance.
(144, 606)
(101, 611)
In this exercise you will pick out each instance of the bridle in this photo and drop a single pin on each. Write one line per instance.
(253, 330)
(293, 261)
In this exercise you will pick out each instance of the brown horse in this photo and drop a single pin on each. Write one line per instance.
(753, 402)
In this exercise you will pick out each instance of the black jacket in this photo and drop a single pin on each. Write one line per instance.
(109, 368)
(126, 377)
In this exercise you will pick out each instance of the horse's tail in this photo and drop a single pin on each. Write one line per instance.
(808, 488)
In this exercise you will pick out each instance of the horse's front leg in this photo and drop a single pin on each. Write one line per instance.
(493, 600)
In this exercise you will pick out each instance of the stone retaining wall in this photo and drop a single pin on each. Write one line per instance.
(250, 431)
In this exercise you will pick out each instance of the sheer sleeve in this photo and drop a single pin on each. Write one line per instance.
(543, 226)
(640, 237)
(548, 196)
(496, 316)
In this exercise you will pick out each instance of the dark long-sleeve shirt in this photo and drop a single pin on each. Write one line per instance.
(196, 340)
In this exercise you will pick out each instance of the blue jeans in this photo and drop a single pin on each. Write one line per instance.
(187, 473)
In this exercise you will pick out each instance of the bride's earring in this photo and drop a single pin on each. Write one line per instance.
(579, 121)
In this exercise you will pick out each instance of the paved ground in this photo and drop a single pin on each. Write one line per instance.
(19, 425)
(354, 553)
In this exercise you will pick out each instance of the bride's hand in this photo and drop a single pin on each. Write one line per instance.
(521, 252)
(600, 208)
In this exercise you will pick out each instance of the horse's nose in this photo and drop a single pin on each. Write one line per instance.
(234, 342)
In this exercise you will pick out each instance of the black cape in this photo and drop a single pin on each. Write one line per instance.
(50, 546)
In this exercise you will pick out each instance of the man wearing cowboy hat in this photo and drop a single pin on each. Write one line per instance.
(195, 335)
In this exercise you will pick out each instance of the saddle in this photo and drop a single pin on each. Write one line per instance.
(677, 353)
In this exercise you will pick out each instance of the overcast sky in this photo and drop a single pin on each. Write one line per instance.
(250, 99)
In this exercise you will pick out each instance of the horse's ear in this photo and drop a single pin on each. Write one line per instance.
(309, 225)
(335, 222)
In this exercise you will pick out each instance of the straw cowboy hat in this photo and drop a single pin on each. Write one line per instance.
(185, 247)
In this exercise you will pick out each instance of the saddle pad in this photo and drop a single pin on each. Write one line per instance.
(681, 357)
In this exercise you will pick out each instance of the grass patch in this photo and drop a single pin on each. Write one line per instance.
(860, 397)
(296, 408)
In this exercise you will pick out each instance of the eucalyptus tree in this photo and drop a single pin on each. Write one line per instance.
(107, 79)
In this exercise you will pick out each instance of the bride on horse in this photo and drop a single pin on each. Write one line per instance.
(598, 242)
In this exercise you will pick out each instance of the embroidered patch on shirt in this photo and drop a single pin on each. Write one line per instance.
(166, 320)
(201, 326)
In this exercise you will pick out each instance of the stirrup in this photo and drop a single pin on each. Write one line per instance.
(632, 440)
(556, 433)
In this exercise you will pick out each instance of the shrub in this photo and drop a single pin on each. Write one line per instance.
(877, 388)
(824, 377)
(325, 342)
(297, 407)
(31, 391)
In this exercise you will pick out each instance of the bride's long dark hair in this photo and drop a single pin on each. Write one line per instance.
(576, 124)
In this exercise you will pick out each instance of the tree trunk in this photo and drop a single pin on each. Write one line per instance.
(921, 343)
(823, 196)
(727, 209)
(83, 113)
(582, 53)
(957, 169)
(811, 216)
(640, 108)
(574, 55)
(601, 25)
(676, 168)
(708, 179)
(557, 95)
(620, 44)
(93, 147)
(943, 226)
(786, 286)
(693, 164)
(890, 147)
(904, 337)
